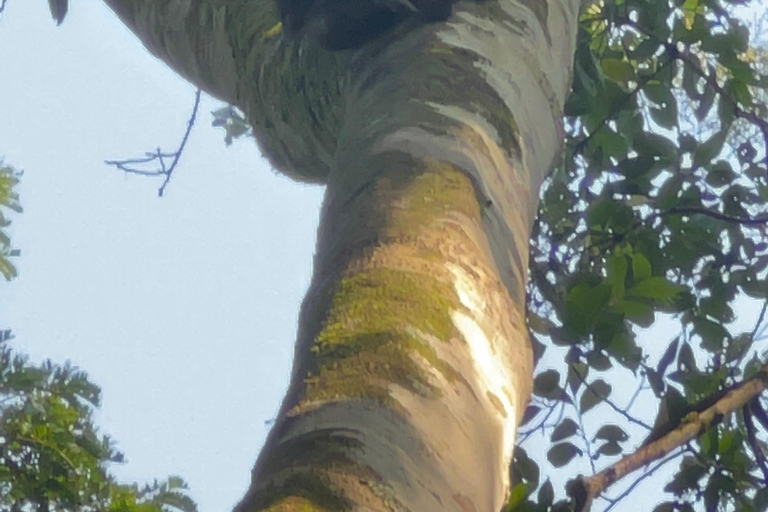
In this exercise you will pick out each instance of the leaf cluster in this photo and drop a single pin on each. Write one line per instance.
(659, 212)
(9, 200)
(51, 455)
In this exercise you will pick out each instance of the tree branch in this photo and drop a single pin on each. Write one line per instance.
(752, 438)
(692, 426)
(158, 156)
(749, 221)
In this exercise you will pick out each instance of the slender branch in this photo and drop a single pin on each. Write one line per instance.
(749, 221)
(757, 450)
(129, 165)
(692, 426)
(583, 433)
(523, 436)
(642, 477)
(636, 393)
(612, 405)
(32, 442)
(760, 319)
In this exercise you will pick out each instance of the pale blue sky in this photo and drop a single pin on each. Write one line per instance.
(183, 309)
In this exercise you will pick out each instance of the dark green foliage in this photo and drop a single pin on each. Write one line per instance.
(52, 458)
(51, 455)
(660, 212)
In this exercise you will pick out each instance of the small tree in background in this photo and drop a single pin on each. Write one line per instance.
(52, 456)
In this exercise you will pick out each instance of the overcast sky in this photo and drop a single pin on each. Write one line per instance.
(183, 309)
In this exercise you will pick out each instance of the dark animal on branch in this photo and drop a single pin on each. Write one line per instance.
(342, 24)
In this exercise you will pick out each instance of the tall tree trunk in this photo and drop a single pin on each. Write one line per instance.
(413, 364)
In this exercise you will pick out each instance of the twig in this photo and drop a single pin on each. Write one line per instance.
(749, 221)
(31, 442)
(128, 165)
(753, 443)
(610, 403)
(642, 477)
(759, 322)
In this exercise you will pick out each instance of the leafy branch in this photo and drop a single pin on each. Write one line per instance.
(693, 425)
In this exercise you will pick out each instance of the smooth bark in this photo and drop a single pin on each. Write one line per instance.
(413, 364)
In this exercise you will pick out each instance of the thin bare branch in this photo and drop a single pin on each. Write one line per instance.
(130, 165)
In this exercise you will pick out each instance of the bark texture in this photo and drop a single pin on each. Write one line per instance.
(413, 364)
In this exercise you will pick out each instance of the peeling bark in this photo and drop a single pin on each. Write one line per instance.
(413, 364)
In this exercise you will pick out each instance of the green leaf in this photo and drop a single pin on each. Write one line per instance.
(577, 372)
(720, 174)
(666, 116)
(656, 288)
(636, 166)
(646, 49)
(641, 268)
(709, 150)
(595, 393)
(546, 494)
(651, 144)
(47, 429)
(517, 496)
(609, 448)
(526, 467)
(563, 453)
(618, 70)
(611, 215)
(636, 311)
(612, 433)
(599, 361)
(713, 335)
(547, 384)
(564, 430)
(584, 305)
(761, 499)
(617, 273)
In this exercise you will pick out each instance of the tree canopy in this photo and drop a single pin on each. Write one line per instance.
(52, 456)
(657, 212)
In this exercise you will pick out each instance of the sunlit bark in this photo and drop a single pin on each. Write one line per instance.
(413, 364)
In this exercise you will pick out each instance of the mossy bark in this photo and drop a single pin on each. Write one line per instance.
(413, 364)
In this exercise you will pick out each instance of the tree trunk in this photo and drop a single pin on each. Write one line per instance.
(413, 364)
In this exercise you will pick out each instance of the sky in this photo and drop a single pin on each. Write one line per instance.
(182, 308)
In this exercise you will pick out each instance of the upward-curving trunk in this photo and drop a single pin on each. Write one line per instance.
(413, 364)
